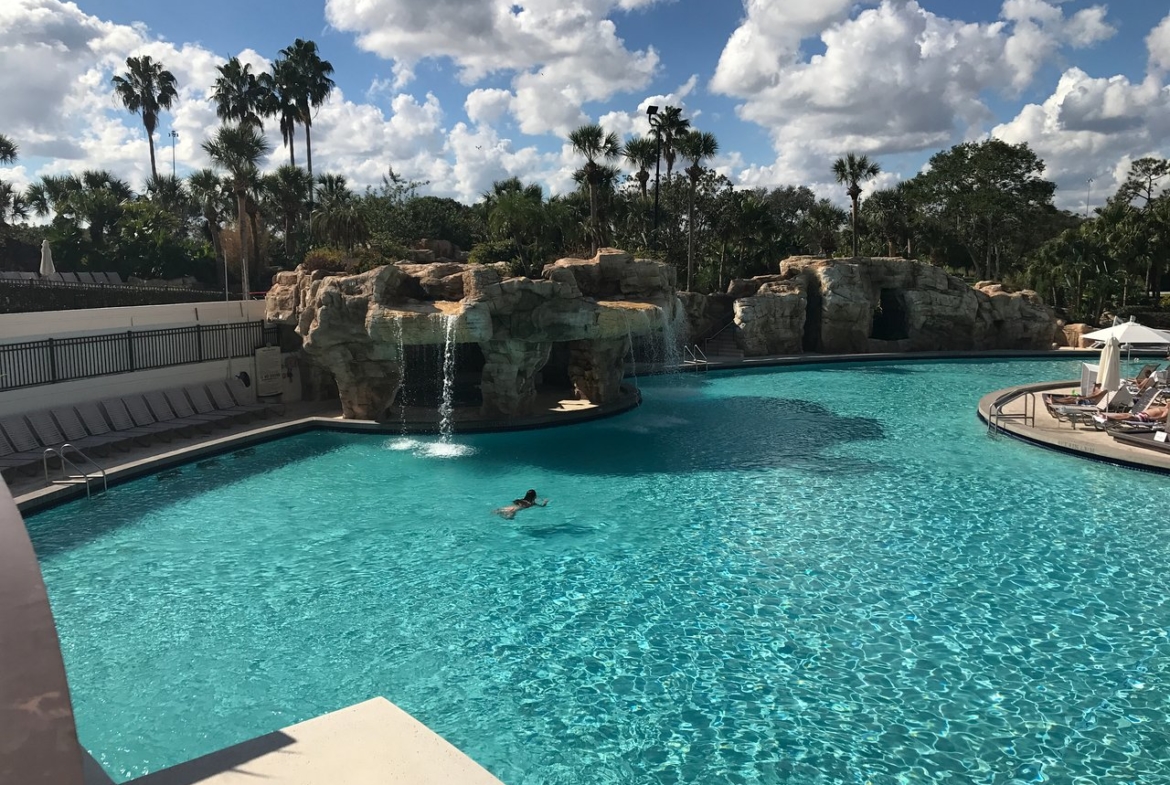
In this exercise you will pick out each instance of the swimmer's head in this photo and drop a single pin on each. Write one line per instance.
(530, 496)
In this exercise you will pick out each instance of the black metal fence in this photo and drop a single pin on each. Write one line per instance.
(23, 296)
(31, 363)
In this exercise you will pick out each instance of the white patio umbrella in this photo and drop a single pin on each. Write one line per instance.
(1130, 333)
(1109, 377)
(47, 267)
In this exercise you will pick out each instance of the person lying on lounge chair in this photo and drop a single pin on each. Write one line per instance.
(517, 505)
(1077, 400)
(1151, 415)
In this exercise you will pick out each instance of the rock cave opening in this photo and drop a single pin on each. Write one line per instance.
(891, 321)
(555, 373)
(811, 341)
(423, 382)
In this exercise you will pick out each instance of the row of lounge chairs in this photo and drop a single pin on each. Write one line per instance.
(96, 428)
(80, 277)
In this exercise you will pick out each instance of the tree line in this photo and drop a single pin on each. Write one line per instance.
(980, 209)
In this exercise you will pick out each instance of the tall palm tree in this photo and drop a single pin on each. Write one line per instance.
(287, 189)
(854, 170)
(641, 152)
(211, 193)
(595, 144)
(310, 75)
(146, 89)
(238, 149)
(8, 150)
(280, 87)
(694, 146)
(670, 125)
(239, 95)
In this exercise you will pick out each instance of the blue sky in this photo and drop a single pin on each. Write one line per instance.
(461, 92)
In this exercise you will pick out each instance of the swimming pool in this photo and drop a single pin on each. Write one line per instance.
(814, 575)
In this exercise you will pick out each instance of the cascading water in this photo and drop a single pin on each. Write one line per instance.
(633, 358)
(402, 379)
(672, 337)
(447, 405)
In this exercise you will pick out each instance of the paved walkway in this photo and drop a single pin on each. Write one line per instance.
(1027, 419)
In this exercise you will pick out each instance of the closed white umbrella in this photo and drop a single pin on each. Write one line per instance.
(1130, 333)
(47, 267)
(1109, 377)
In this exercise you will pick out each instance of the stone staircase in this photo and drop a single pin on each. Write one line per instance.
(722, 346)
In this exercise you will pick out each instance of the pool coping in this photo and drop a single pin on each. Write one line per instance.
(1071, 442)
(50, 496)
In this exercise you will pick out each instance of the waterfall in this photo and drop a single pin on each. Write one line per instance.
(402, 379)
(673, 334)
(446, 407)
(633, 358)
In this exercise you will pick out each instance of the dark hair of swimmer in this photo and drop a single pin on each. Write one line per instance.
(530, 496)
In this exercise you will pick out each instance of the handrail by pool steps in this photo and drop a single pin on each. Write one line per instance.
(81, 476)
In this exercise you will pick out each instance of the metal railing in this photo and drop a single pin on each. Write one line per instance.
(694, 355)
(82, 475)
(996, 415)
(52, 360)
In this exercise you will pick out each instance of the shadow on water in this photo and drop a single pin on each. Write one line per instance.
(700, 435)
(73, 524)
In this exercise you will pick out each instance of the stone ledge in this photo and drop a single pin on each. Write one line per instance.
(371, 743)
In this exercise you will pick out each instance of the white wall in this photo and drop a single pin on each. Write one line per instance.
(88, 321)
(49, 396)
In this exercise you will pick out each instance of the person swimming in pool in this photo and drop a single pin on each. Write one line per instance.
(517, 505)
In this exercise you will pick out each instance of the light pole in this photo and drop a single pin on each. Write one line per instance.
(1088, 190)
(174, 138)
(650, 112)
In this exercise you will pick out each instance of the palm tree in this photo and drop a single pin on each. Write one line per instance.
(238, 150)
(94, 198)
(170, 193)
(695, 146)
(13, 205)
(594, 143)
(280, 87)
(239, 95)
(641, 152)
(310, 76)
(286, 189)
(337, 218)
(669, 125)
(146, 88)
(8, 150)
(211, 193)
(854, 170)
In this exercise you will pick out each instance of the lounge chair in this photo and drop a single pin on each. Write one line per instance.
(75, 432)
(85, 278)
(114, 278)
(224, 400)
(182, 407)
(13, 460)
(204, 405)
(95, 422)
(120, 418)
(49, 435)
(69, 277)
(154, 406)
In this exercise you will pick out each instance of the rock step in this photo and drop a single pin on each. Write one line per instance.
(723, 345)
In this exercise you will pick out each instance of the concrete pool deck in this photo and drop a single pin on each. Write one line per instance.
(1042, 429)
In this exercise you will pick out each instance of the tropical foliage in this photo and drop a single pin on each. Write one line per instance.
(983, 210)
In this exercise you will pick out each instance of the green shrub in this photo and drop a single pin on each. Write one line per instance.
(329, 259)
(493, 251)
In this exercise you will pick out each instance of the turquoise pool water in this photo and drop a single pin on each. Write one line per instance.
(810, 575)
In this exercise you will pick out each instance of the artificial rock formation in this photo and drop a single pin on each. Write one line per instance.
(357, 326)
(844, 306)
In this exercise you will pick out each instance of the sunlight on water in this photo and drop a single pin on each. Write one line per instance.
(811, 575)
